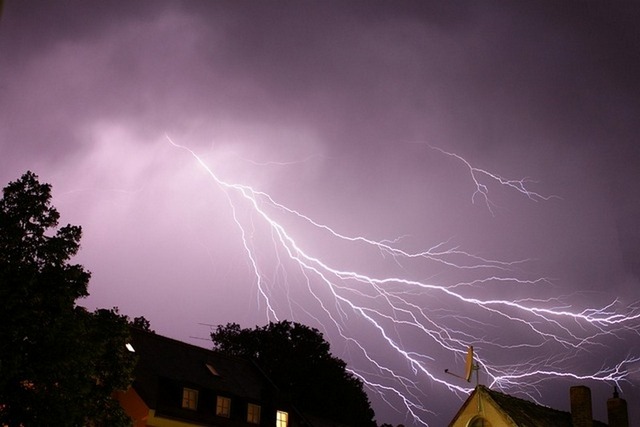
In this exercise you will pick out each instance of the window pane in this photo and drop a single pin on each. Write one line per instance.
(253, 413)
(282, 419)
(479, 422)
(189, 398)
(223, 406)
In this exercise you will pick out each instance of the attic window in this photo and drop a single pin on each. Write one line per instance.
(253, 413)
(212, 370)
(223, 406)
(479, 422)
(189, 398)
(282, 419)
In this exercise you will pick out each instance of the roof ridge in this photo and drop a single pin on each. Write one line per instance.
(526, 401)
(187, 345)
(516, 407)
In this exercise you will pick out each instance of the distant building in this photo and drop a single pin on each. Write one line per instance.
(489, 408)
(180, 385)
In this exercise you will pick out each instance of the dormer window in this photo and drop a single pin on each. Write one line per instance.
(223, 406)
(189, 398)
(282, 419)
(253, 413)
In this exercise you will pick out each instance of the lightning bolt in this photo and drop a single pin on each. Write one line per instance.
(403, 313)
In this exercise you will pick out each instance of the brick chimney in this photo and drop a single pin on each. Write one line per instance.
(617, 414)
(581, 413)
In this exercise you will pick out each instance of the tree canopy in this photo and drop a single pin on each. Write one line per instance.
(59, 363)
(299, 361)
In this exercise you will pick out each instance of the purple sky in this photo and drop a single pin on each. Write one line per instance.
(332, 108)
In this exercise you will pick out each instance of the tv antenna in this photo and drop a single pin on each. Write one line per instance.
(469, 367)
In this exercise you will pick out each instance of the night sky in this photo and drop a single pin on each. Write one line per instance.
(340, 139)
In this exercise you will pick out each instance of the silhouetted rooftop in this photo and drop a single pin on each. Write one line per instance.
(162, 357)
(529, 414)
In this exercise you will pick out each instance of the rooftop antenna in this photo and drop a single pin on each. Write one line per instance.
(469, 367)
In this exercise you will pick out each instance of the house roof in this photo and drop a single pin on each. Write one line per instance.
(525, 413)
(161, 358)
(165, 358)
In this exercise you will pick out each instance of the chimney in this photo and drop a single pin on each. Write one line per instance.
(581, 414)
(617, 411)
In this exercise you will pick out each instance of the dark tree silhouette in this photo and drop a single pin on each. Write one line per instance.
(142, 323)
(298, 359)
(59, 363)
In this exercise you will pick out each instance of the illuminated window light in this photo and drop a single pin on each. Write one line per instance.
(223, 407)
(189, 398)
(130, 348)
(282, 419)
(253, 413)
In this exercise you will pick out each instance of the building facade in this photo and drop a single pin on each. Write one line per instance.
(490, 408)
(178, 385)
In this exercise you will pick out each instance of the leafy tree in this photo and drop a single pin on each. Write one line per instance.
(59, 363)
(142, 323)
(298, 359)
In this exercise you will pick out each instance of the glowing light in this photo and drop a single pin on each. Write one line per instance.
(406, 314)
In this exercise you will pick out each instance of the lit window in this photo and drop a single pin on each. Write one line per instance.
(189, 398)
(282, 419)
(130, 347)
(223, 407)
(253, 413)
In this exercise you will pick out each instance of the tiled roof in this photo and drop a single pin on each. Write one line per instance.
(161, 357)
(163, 362)
(529, 414)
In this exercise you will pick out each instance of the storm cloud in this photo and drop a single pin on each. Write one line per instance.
(333, 109)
